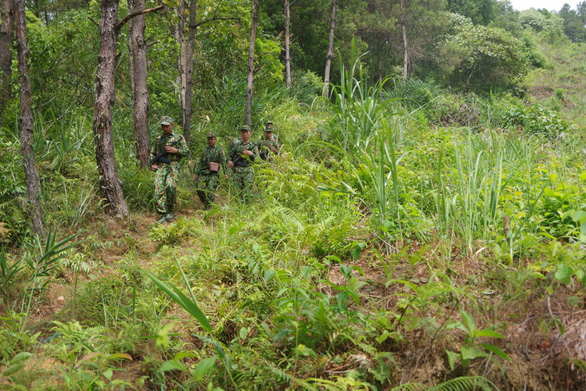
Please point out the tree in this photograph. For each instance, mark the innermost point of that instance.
(110, 184)
(403, 22)
(250, 78)
(330, 53)
(138, 77)
(287, 12)
(31, 175)
(6, 42)
(186, 61)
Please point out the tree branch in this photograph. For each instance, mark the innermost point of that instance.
(92, 19)
(134, 14)
(211, 20)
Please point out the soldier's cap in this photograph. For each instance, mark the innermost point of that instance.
(211, 135)
(245, 128)
(166, 120)
(269, 123)
(269, 126)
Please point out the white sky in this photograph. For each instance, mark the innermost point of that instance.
(550, 5)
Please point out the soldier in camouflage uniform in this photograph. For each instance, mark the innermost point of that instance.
(167, 167)
(269, 145)
(207, 171)
(241, 155)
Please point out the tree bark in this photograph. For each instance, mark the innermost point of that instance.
(6, 42)
(330, 51)
(405, 43)
(110, 184)
(138, 77)
(31, 175)
(287, 45)
(187, 46)
(253, 26)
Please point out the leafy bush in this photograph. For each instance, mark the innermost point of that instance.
(535, 119)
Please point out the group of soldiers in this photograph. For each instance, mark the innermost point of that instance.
(169, 148)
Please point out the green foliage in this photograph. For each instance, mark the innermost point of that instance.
(536, 119)
(483, 58)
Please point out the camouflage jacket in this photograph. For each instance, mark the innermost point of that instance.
(264, 147)
(162, 141)
(235, 153)
(211, 154)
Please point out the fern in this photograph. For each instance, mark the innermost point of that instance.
(467, 383)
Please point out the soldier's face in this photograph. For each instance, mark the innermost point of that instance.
(167, 129)
(211, 141)
(268, 134)
(245, 135)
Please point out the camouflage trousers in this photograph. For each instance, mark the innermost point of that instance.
(166, 186)
(243, 179)
(206, 188)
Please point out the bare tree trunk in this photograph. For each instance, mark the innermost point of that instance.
(110, 184)
(405, 43)
(287, 45)
(330, 51)
(6, 42)
(253, 26)
(138, 77)
(187, 45)
(31, 175)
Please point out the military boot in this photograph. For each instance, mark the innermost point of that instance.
(169, 216)
(162, 219)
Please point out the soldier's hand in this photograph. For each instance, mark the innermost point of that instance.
(230, 164)
(154, 167)
(195, 177)
(171, 149)
(226, 176)
(274, 149)
(247, 152)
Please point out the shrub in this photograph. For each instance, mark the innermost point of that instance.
(535, 119)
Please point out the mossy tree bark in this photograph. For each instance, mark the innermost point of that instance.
(330, 54)
(138, 76)
(31, 175)
(253, 27)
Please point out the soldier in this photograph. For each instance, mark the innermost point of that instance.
(207, 171)
(166, 154)
(268, 145)
(241, 155)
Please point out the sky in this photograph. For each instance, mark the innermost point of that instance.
(550, 5)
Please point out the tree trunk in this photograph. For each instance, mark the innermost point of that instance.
(330, 51)
(6, 42)
(31, 175)
(110, 184)
(138, 77)
(287, 45)
(187, 44)
(253, 26)
(405, 43)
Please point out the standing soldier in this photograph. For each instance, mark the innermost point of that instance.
(269, 145)
(207, 171)
(241, 155)
(166, 153)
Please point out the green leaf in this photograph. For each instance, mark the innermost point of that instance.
(564, 274)
(183, 301)
(20, 357)
(452, 356)
(12, 369)
(471, 352)
(204, 367)
(496, 350)
(489, 333)
(172, 365)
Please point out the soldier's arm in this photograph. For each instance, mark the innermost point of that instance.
(182, 148)
(201, 165)
(223, 162)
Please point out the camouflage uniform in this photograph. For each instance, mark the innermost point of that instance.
(167, 174)
(264, 146)
(243, 172)
(207, 180)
